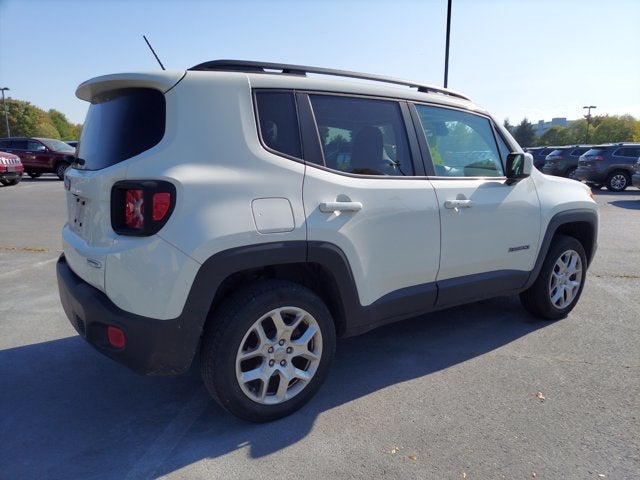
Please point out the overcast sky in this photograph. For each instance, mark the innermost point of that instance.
(518, 58)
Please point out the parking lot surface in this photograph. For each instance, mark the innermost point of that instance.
(483, 391)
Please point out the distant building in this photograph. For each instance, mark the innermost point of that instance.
(543, 126)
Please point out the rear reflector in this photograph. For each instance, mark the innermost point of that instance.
(116, 337)
(161, 205)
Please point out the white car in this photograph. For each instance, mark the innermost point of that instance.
(254, 213)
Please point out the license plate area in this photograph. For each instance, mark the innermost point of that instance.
(77, 211)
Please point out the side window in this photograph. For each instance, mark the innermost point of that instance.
(278, 122)
(461, 144)
(361, 135)
(627, 152)
(35, 146)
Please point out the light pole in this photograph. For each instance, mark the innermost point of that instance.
(6, 116)
(588, 116)
(446, 50)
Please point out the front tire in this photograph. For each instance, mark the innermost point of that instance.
(560, 281)
(267, 350)
(13, 181)
(60, 169)
(617, 181)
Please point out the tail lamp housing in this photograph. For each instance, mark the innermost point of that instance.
(141, 207)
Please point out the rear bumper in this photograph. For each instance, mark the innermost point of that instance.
(590, 175)
(153, 347)
(553, 169)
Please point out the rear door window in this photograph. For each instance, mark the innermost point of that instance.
(363, 136)
(121, 124)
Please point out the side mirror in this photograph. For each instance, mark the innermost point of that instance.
(519, 166)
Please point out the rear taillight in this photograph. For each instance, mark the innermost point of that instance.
(134, 208)
(141, 208)
(597, 158)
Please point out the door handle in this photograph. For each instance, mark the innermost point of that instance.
(457, 204)
(330, 207)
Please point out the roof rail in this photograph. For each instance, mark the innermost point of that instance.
(266, 67)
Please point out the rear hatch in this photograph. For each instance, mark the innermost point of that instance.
(127, 117)
(590, 156)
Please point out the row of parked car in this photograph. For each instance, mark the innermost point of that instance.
(33, 156)
(615, 166)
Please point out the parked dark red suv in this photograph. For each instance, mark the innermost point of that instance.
(40, 155)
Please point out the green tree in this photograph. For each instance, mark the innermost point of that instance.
(46, 129)
(30, 121)
(555, 136)
(66, 130)
(508, 126)
(618, 128)
(525, 134)
(577, 132)
(23, 117)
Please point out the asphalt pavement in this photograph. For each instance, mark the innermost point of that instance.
(483, 391)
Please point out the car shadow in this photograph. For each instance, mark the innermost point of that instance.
(627, 204)
(45, 177)
(79, 410)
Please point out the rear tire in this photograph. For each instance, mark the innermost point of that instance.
(560, 281)
(267, 350)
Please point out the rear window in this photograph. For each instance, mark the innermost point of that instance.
(121, 124)
(278, 121)
(578, 151)
(594, 151)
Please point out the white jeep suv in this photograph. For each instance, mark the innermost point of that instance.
(254, 212)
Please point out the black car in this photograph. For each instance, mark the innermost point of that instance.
(609, 165)
(539, 155)
(563, 161)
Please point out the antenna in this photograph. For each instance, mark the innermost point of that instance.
(154, 52)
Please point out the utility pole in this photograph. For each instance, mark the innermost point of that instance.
(588, 117)
(446, 52)
(6, 115)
